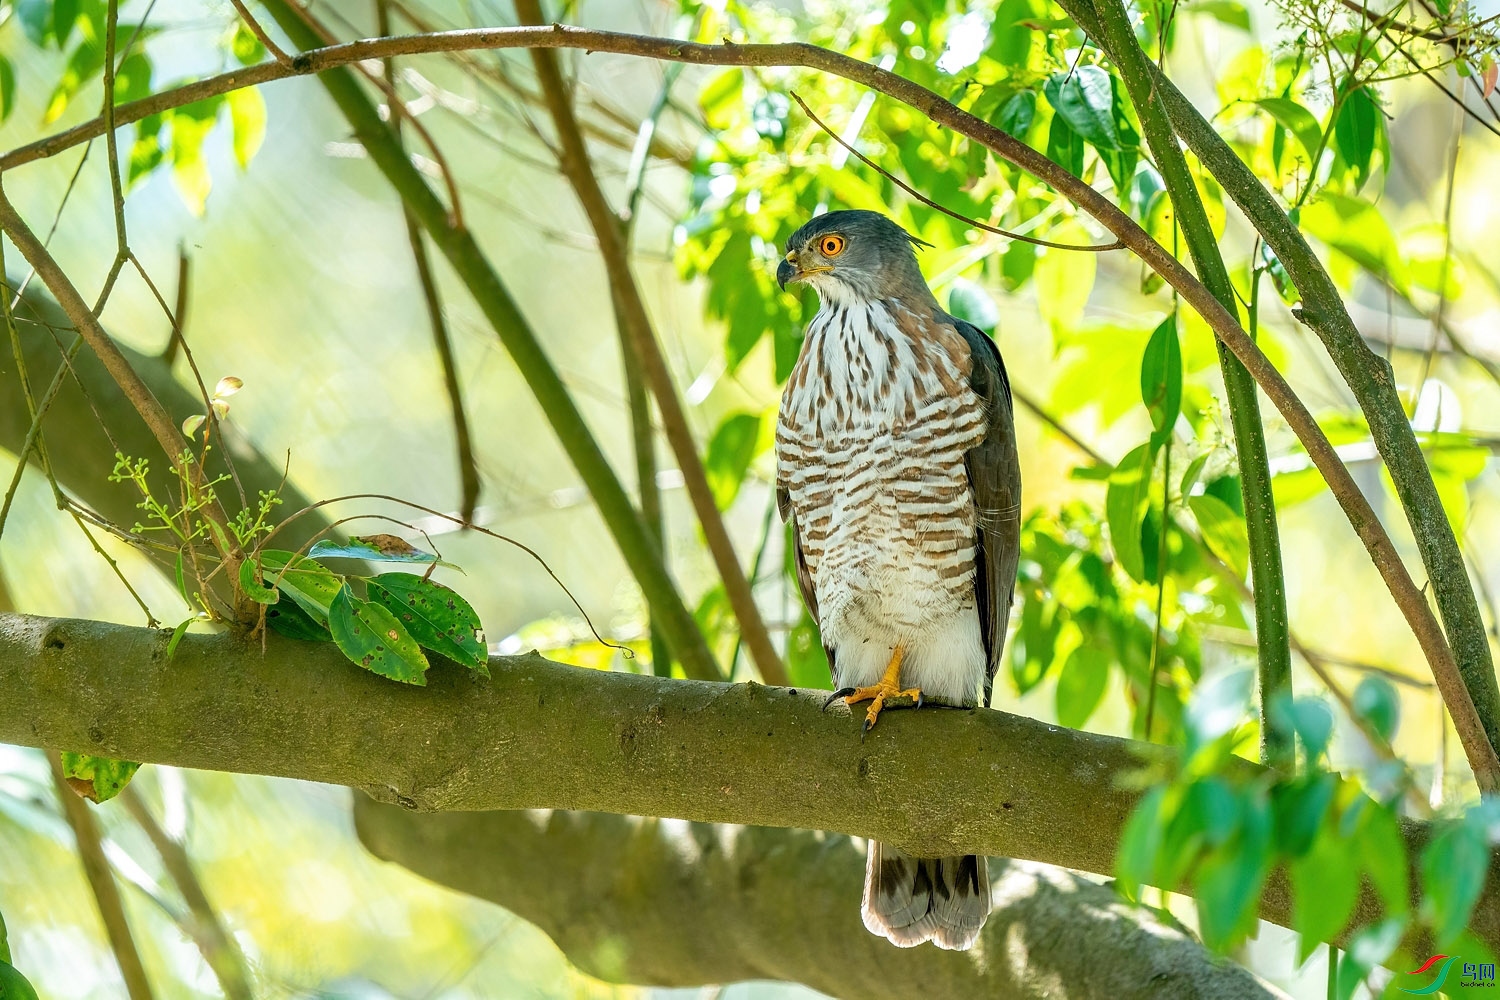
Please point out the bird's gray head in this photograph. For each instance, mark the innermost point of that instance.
(855, 255)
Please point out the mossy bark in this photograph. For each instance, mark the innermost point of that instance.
(542, 735)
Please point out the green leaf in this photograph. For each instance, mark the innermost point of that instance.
(806, 660)
(1218, 705)
(13, 985)
(1300, 806)
(371, 636)
(1229, 881)
(1065, 147)
(1290, 488)
(1297, 120)
(1312, 720)
(1140, 843)
(7, 88)
(1080, 686)
(105, 774)
(1325, 887)
(1454, 462)
(1355, 131)
(36, 20)
(64, 20)
(1370, 948)
(84, 64)
(4, 949)
(1355, 228)
(436, 616)
(182, 586)
(1016, 114)
(1125, 505)
(1161, 379)
(730, 452)
(1084, 98)
(247, 117)
(1230, 12)
(1223, 531)
(190, 126)
(312, 586)
(146, 152)
(133, 78)
(246, 48)
(969, 302)
(177, 634)
(720, 97)
(1453, 872)
(1063, 280)
(356, 548)
(1382, 855)
(1375, 700)
(288, 619)
(253, 588)
(1035, 645)
(1010, 36)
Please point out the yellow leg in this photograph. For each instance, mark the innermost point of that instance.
(889, 687)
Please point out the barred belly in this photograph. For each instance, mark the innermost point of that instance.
(874, 426)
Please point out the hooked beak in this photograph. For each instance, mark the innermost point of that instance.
(786, 271)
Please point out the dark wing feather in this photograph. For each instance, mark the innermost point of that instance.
(804, 577)
(995, 478)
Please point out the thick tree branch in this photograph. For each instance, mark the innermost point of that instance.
(765, 865)
(631, 309)
(1411, 475)
(672, 904)
(544, 735)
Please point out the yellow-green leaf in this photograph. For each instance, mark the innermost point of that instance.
(98, 779)
(1223, 531)
(247, 115)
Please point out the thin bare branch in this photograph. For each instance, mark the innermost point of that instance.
(1116, 245)
(101, 879)
(260, 33)
(218, 948)
(577, 167)
(468, 467)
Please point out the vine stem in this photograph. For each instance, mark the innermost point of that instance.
(608, 230)
(1272, 631)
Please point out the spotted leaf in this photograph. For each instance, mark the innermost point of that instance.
(436, 616)
(371, 636)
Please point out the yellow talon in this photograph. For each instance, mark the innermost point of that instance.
(889, 687)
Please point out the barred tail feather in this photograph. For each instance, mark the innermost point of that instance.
(910, 900)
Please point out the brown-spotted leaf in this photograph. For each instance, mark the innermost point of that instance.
(371, 636)
(436, 616)
(97, 779)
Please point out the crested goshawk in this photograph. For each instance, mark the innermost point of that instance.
(896, 462)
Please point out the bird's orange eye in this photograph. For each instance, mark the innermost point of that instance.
(831, 245)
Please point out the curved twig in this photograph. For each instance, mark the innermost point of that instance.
(1116, 245)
